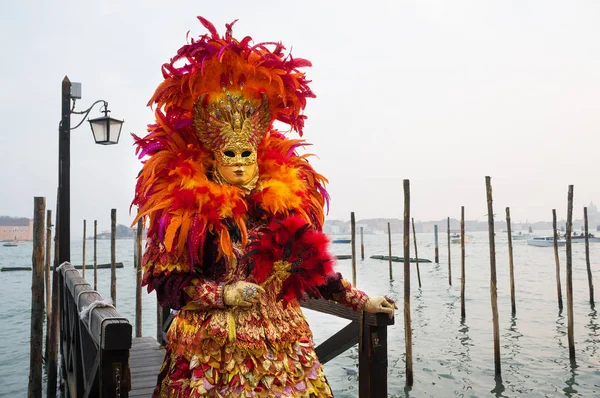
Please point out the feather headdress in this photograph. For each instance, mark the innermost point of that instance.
(174, 190)
(214, 63)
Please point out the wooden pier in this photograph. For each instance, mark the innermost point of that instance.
(100, 358)
(145, 359)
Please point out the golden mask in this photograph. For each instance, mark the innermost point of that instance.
(232, 126)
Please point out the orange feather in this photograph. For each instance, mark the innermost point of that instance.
(171, 231)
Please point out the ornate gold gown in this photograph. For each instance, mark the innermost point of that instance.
(265, 350)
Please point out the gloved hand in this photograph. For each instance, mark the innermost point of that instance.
(381, 304)
(242, 294)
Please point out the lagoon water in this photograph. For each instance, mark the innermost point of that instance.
(451, 357)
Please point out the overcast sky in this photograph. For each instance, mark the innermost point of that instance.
(439, 92)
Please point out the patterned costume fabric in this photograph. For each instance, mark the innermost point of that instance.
(204, 235)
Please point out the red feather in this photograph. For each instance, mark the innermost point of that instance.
(210, 27)
(305, 249)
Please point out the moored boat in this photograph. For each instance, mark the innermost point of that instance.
(455, 238)
(344, 240)
(397, 259)
(520, 236)
(545, 241)
(581, 238)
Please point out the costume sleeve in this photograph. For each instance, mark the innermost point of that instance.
(180, 290)
(341, 291)
(177, 285)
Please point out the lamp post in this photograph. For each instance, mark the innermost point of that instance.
(106, 131)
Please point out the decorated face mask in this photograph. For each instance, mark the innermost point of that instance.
(234, 154)
(232, 126)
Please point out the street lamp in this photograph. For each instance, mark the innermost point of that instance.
(106, 131)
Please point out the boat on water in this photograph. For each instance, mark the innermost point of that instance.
(520, 236)
(455, 238)
(11, 244)
(397, 259)
(344, 240)
(581, 238)
(545, 241)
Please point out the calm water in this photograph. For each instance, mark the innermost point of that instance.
(451, 358)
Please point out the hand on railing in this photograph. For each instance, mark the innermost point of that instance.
(381, 304)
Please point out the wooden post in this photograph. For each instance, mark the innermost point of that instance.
(493, 281)
(569, 231)
(587, 256)
(513, 304)
(83, 260)
(47, 277)
(416, 252)
(362, 245)
(437, 252)
(407, 320)
(463, 312)
(37, 301)
(557, 261)
(135, 253)
(390, 249)
(449, 258)
(373, 357)
(95, 254)
(113, 260)
(52, 358)
(353, 231)
(138, 279)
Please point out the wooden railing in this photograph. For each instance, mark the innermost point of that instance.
(367, 330)
(370, 332)
(95, 349)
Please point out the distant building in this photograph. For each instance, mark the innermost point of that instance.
(16, 228)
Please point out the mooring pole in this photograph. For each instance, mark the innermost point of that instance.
(416, 252)
(437, 251)
(557, 261)
(407, 320)
(362, 245)
(587, 256)
(113, 257)
(462, 263)
(138, 278)
(37, 301)
(390, 249)
(52, 359)
(513, 304)
(569, 232)
(95, 254)
(449, 257)
(83, 260)
(493, 280)
(47, 277)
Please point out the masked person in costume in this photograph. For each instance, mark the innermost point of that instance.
(235, 220)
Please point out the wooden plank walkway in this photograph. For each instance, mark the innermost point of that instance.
(145, 358)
